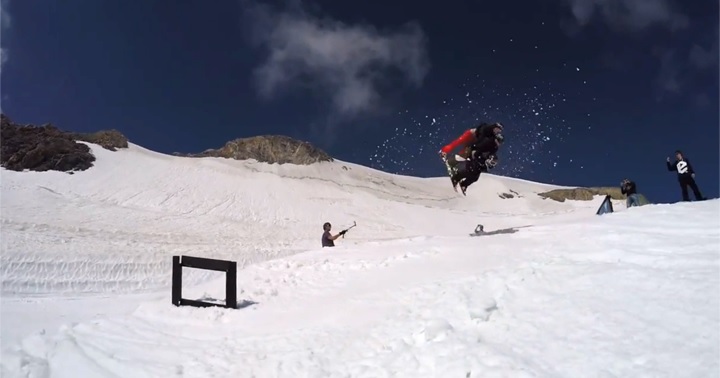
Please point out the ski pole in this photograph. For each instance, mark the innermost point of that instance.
(347, 229)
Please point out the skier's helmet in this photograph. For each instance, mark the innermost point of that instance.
(326, 226)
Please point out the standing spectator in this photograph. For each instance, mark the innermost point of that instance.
(629, 188)
(328, 239)
(686, 176)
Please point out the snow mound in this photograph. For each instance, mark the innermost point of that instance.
(86, 276)
(113, 228)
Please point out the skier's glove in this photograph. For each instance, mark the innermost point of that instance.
(491, 162)
(343, 232)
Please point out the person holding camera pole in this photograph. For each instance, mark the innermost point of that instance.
(629, 189)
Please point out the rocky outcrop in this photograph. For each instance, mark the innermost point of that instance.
(107, 139)
(586, 194)
(44, 148)
(268, 149)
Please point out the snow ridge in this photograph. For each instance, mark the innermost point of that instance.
(86, 276)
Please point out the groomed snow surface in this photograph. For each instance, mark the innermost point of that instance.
(562, 292)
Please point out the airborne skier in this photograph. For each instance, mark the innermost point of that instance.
(479, 151)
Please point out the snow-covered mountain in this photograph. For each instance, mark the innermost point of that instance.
(86, 273)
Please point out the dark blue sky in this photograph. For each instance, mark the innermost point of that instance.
(591, 91)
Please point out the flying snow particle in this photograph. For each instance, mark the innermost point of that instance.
(536, 129)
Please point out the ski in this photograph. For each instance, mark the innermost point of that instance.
(480, 231)
(449, 169)
(451, 173)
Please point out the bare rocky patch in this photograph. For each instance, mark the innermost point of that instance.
(587, 194)
(272, 149)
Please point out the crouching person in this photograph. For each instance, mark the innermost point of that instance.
(328, 239)
(628, 188)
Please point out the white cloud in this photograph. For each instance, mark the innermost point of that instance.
(674, 72)
(701, 58)
(3, 57)
(669, 78)
(4, 53)
(4, 25)
(628, 15)
(683, 71)
(4, 15)
(351, 64)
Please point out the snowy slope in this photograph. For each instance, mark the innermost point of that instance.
(113, 226)
(86, 276)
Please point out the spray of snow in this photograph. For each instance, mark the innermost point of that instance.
(534, 129)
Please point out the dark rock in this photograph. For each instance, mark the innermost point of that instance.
(108, 139)
(268, 149)
(44, 148)
(41, 148)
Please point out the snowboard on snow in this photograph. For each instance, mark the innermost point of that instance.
(479, 231)
(451, 173)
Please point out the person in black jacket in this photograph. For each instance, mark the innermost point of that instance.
(629, 188)
(686, 176)
(480, 145)
(467, 172)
